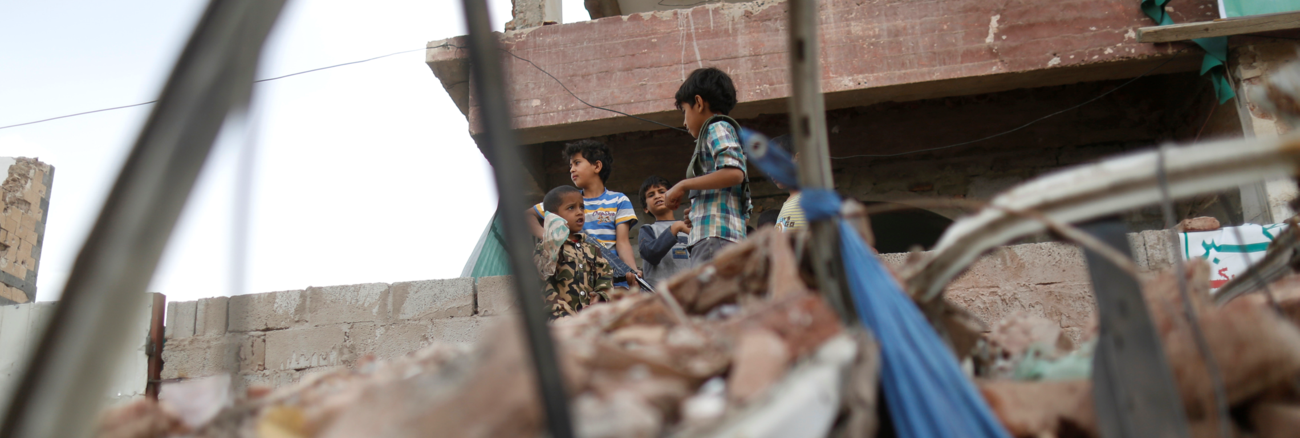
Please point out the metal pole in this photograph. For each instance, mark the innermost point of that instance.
(500, 146)
(64, 382)
(808, 132)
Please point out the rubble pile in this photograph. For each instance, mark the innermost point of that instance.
(672, 363)
(1256, 347)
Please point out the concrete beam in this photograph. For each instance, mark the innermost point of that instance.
(892, 50)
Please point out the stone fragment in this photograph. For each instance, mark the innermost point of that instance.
(180, 319)
(433, 299)
(1034, 409)
(139, 418)
(307, 347)
(351, 303)
(266, 311)
(495, 295)
(1203, 223)
(760, 359)
(210, 316)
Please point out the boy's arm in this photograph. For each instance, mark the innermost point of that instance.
(535, 223)
(654, 248)
(720, 179)
(624, 247)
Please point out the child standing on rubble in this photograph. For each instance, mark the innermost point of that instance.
(716, 180)
(663, 243)
(609, 215)
(574, 273)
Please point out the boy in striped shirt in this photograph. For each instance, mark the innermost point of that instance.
(609, 215)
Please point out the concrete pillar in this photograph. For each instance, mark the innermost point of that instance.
(1267, 201)
(533, 13)
(24, 206)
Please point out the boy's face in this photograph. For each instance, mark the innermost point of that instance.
(573, 211)
(695, 114)
(583, 172)
(654, 201)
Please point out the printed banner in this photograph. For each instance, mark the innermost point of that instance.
(1230, 250)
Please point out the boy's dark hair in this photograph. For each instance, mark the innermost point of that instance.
(712, 85)
(653, 180)
(592, 151)
(554, 197)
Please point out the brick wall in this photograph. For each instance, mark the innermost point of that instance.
(274, 338)
(25, 196)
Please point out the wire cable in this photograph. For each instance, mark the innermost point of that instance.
(1130, 81)
(256, 81)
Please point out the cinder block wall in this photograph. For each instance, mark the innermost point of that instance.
(274, 338)
(24, 207)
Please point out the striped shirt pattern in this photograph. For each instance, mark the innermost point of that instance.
(719, 213)
(791, 216)
(604, 214)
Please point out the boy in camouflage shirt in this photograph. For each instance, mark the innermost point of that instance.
(573, 271)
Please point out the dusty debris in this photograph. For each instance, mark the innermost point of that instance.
(1034, 409)
(633, 368)
(139, 419)
(1275, 420)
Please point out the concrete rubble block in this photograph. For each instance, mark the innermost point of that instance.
(267, 311)
(496, 295)
(1137, 244)
(1042, 408)
(201, 356)
(180, 319)
(1034, 263)
(267, 379)
(210, 316)
(433, 299)
(462, 330)
(393, 340)
(1161, 250)
(307, 347)
(759, 361)
(1203, 223)
(343, 304)
(252, 353)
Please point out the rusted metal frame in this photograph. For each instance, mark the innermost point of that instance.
(156, 344)
(64, 381)
(502, 150)
(808, 133)
(1091, 191)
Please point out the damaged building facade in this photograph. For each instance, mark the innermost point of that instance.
(925, 101)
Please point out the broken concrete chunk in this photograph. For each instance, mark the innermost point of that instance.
(1275, 420)
(1203, 223)
(1034, 409)
(761, 358)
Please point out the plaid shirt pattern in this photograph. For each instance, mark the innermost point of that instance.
(719, 213)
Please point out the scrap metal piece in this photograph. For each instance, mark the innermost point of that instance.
(1134, 390)
(1097, 190)
(64, 381)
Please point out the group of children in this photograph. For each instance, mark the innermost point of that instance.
(584, 255)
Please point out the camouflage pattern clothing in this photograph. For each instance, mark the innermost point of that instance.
(572, 269)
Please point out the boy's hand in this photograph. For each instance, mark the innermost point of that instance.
(681, 227)
(631, 277)
(673, 198)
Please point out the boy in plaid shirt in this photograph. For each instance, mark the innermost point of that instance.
(716, 180)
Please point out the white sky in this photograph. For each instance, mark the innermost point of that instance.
(365, 173)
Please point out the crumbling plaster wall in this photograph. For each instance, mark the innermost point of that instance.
(25, 193)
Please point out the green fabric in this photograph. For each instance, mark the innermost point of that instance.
(1216, 51)
(1242, 8)
(1036, 366)
(492, 260)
